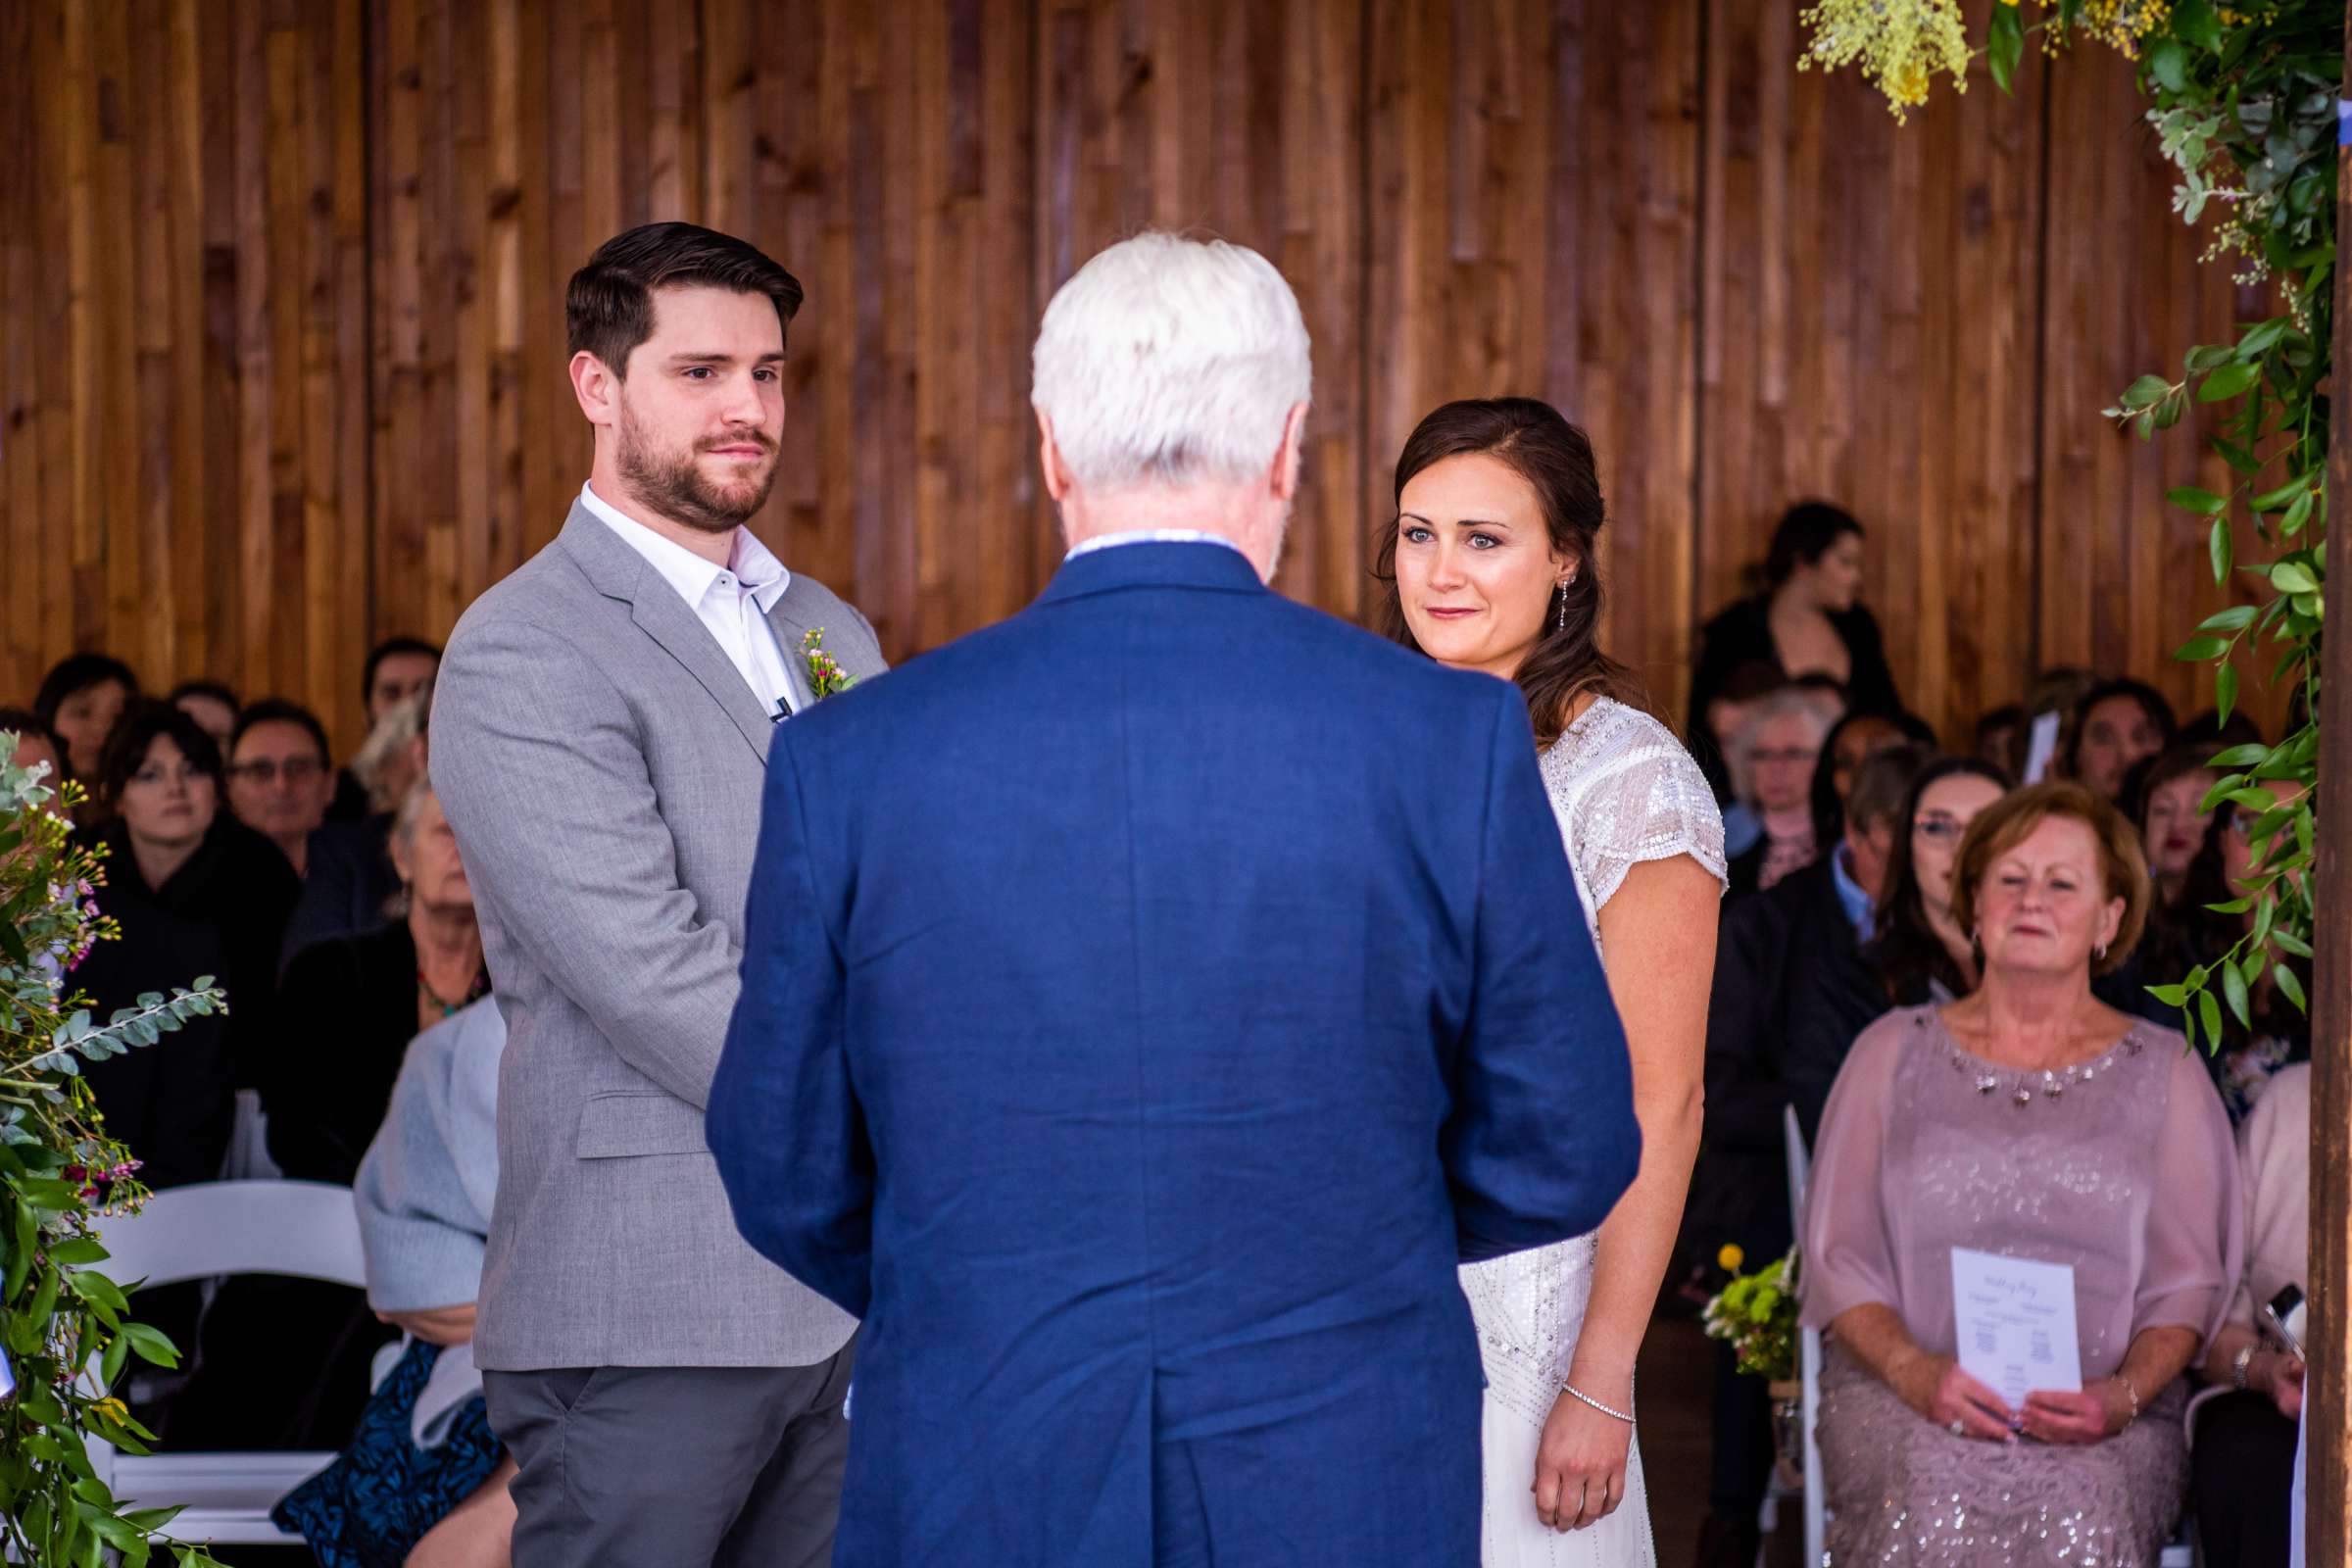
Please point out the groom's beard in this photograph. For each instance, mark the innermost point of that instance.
(671, 483)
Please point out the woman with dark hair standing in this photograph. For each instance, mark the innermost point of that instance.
(1493, 566)
(1809, 619)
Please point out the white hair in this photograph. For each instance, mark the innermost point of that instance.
(1170, 361)
(1789, 701)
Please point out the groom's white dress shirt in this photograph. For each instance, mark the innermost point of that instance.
(732, 600)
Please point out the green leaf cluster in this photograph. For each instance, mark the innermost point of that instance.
(65, 1325)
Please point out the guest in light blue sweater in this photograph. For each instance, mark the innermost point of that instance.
(424, 1483)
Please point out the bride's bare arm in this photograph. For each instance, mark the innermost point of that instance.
(1657, 944)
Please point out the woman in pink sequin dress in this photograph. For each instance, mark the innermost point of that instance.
(2030, 1120)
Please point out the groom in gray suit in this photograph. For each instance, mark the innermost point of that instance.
(599, 739)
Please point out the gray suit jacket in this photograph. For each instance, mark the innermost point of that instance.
(602, 761)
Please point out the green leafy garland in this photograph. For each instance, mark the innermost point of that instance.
(2243, 101)
(65, 1328)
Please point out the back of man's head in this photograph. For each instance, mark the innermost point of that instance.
(1169, 363)
(1874, 811)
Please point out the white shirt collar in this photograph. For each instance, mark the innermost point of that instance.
(1151, 536)
(748, 561)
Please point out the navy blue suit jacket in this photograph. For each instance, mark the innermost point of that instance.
(1144, 1003)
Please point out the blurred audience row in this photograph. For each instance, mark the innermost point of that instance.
(1871, 975)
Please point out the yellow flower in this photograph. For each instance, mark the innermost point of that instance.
(1901, 44)
(1731, 1257)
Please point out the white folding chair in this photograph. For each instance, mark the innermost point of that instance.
(306, 1230)
(1808, 1352)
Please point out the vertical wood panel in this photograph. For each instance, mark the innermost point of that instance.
(1234, 119)
(185, 400)
(281, 340)
(882, 154)
(1870, 339)
(1534, 170)
(2125, 577)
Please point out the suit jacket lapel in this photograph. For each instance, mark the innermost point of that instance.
(619, 573)
(790, 626)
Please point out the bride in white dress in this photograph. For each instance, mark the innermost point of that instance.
(1499, 504)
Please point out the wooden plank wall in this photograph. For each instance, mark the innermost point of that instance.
(281, 300)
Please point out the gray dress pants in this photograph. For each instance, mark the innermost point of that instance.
(675, 1467)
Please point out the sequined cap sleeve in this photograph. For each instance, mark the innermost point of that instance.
(1626, 792)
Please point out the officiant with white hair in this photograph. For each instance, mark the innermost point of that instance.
(1148, 1000)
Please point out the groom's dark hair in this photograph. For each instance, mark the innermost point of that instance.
(608, 309)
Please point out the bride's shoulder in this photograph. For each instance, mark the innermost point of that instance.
(1610, 737)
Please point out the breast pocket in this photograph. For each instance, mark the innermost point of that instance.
(617, 1126)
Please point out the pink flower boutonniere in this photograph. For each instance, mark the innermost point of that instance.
(825, 674)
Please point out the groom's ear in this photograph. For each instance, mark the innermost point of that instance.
(1048, 458)
(597, 387)
(1284, 480)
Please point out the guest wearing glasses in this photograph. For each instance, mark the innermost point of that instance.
(1772, 759)
(278, 779)
(1920, 951)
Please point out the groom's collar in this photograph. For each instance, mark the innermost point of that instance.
(1153, 564)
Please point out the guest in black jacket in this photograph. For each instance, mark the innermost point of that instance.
(287, 1360)
(170, 848)
(1809, 619)
(1786, 957)
(327, 1089)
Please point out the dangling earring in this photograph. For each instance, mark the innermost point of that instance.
(1564, 605)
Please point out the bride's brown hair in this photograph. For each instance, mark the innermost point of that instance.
(1555, 459)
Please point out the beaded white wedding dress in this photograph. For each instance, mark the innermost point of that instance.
(1624, 791)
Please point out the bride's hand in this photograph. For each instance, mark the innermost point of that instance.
(1580, 1465)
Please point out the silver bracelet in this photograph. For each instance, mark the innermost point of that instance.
(1574, 1393)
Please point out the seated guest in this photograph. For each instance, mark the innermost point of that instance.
(327, 1090)
(1853, 738)
(424, 1484)
(2187, 931)
(1725, 717)
(398, 668)
(1789, 967)
(1920, 951)
(213, 706)
(2116, 724)
(1809, 619)
(1772, 762)
(2168, 792)
(1999, 742)
(78, 701)
(35, 746)
(393, 756)
(278, 776)
(348, 1008)
(168, 845)
(2243, 1458)
(2030, 1121)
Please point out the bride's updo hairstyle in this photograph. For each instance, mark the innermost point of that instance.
(1555, 459)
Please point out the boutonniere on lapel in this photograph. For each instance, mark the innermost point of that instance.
(825, 674)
